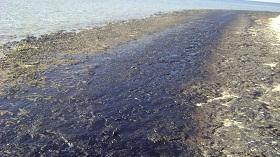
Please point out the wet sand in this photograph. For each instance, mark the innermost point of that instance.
(194, 83)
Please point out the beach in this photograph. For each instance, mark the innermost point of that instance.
(243, 120)
(275, 25)
(189, 83)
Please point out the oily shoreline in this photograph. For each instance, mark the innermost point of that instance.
(236, 102)
(126, 102)
(31, 56)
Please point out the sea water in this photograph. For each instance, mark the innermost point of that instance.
(21, 18)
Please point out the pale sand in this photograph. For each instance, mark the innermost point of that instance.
(224, 95)
(276, 88)
(271, 65)
(1, 54)
(275, 25)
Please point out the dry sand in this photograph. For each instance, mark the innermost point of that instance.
(275, 25)
(243, 120)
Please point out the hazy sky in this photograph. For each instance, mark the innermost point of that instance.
(275, 1)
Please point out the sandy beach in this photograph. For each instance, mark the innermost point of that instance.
(192, 83)
(275, 25)
(243, 120)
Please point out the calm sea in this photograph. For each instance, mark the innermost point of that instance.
(20, 18)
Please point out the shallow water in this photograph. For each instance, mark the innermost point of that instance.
(20, 18)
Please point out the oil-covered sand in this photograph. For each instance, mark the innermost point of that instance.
(194, 83)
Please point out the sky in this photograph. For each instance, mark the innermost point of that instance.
(274, 1)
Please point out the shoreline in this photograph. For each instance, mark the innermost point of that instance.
(33, 55)
(125, 102)
(100, 25)
(235, 95)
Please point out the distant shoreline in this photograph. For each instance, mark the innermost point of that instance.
(95, 26)
(18, 38)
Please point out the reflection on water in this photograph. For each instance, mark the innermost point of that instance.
(20, 18)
